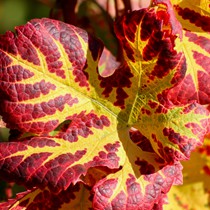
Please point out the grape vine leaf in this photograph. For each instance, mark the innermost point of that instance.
(196, 176)
(195, 18)
(79, 197)
(74, 119)
(75, 197)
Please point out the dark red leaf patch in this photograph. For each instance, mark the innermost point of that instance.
(194, 17)
(119, 80)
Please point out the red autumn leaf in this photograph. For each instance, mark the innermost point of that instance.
(75, 197)
(109, 194)
(72, 119)
(196, 46)
(196, 176)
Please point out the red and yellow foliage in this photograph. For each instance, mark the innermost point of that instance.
(89, 132)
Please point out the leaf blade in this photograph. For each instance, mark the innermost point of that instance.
(194, 19)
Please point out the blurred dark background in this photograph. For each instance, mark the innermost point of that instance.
(18, 12)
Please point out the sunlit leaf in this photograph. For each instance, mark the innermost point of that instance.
(194, 17)
(60, 160)
(157, 67)
(71, 119)
(126, 189)
(196, 186)
(75, 197)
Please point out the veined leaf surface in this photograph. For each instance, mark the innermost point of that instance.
(76, 197)
(194, 17)
(157, 68)
(74, 119)
(196, 176)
